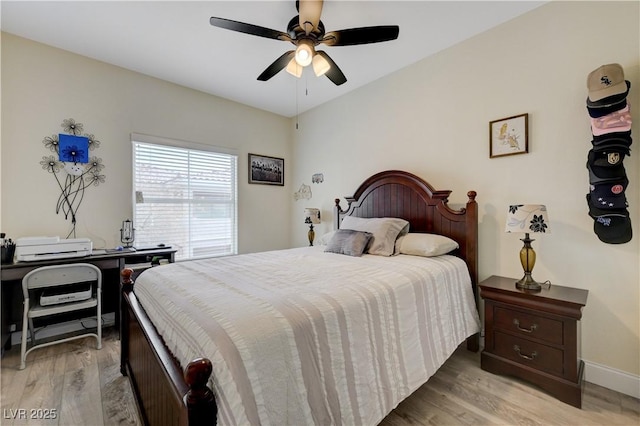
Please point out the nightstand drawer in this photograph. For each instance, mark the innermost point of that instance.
(528, 325)
(523, 351)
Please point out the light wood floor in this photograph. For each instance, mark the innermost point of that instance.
(84, 387)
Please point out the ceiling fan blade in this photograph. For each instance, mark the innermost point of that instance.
(334, 74)
(309, 12)
(256, 30)
(364, 35)
(277, 66)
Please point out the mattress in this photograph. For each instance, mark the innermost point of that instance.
(302, 337)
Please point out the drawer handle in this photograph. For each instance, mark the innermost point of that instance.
(521, 355)
(526, 330)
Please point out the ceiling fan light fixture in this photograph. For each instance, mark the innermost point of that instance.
(320, 65)
(294, 69)
(304, 53)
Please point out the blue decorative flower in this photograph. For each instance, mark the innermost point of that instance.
(72, 153)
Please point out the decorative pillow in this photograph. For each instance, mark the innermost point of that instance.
(324, 240)
(425, 244)
(385, 231)
(349, 242)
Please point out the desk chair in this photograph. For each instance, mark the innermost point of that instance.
(47, 277)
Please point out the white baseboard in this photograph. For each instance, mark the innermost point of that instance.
(611, 378)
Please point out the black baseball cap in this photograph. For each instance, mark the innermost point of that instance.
(611, 226)
(597, 112)
(605, 166)
(613, 138)
(610, 194)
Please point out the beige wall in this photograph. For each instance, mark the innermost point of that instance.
(41, 86)
(432, 119)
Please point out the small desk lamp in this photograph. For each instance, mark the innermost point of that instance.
(311, 216)
(127, 233)
(526, 218)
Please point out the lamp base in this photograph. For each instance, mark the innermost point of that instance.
(311, 235)
(528, 283)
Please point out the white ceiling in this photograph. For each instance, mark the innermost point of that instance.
(173, 40)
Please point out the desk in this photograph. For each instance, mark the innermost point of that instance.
(110, 263)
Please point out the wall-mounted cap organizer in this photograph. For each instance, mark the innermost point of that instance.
(610, 118)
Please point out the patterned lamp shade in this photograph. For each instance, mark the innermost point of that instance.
(528, 218)
(312, 215)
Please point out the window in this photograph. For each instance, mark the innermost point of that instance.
(185, 197)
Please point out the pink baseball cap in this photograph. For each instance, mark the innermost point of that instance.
(618, 121)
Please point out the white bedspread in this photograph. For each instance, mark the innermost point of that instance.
(300, 336)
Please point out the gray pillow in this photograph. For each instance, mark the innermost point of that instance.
(349, 242)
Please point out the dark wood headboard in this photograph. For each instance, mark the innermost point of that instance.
(396, 193)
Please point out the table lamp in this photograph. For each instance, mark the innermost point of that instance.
(311, 216)
(528, 218)
(127, 233)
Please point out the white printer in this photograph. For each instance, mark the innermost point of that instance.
(29, 249)
(65, 294)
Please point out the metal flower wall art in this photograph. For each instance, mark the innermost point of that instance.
(72, 166)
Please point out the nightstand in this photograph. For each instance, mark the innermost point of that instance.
(534, 335)
(143, 259)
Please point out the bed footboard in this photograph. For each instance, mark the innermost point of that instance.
(164, 394)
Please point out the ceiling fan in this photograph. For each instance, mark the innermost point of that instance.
(306, 31)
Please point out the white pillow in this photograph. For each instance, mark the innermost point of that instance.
(425, 244)
(385, 231)
(324, 240)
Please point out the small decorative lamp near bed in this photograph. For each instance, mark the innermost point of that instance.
(311, 216)
(127, 233)
(527, 218)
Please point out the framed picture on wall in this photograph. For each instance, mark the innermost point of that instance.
(266, 170)
(509, 136)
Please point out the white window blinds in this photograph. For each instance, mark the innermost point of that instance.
(185, 198)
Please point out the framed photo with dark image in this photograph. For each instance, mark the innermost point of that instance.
(266, 170)
(509, 136)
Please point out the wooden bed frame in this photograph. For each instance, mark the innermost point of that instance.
(168, 395)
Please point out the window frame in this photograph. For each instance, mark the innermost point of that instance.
(189, 146)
